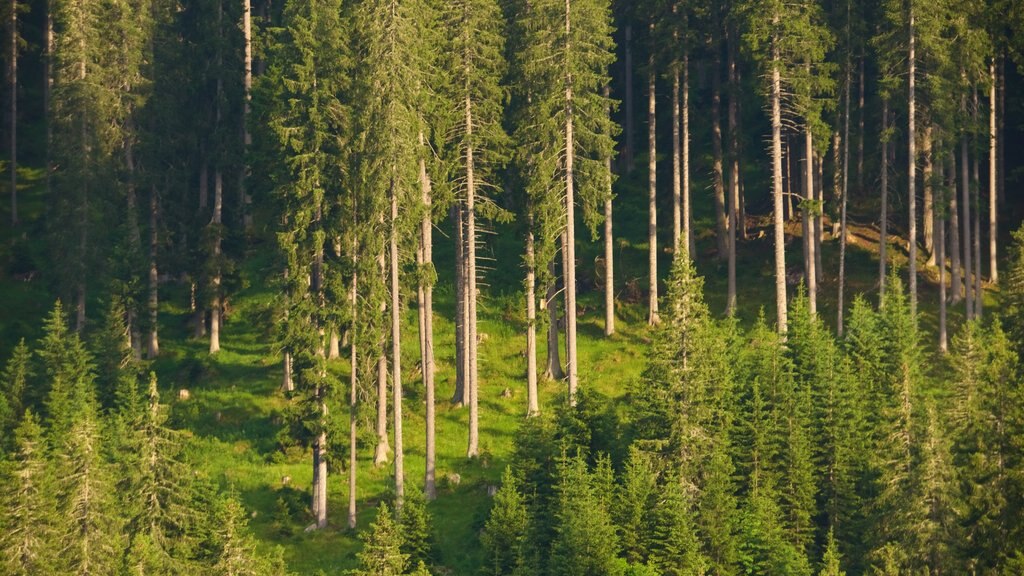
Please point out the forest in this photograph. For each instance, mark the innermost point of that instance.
(298, 287)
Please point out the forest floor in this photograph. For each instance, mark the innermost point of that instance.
(234, 410)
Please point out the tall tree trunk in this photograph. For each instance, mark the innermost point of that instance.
(627, 149)
(860, 125)
(1000, 129)
(788, 188)
(353, 396)
(473, 449)
(780, 237)
(135, 241)
(912, 166)
(215, 298)
(677, 182)
(955, 275)
(609, 249)
(734, 170)
(380, 452)
(396, 351)
(461, 396)
(287, 384)
(940, 248)
(718, 176)
(154, 302)
(532, 402)
(687, 206)
(427, 243)
(819, 216)
(13, 87)
(845, 194)
(569, 250)
(976, 236)
(553, 370)
(652, 198)
(48, 95)
(927, 216)
(965, 205)
(244, 199)
(810, 209)
(993, 196)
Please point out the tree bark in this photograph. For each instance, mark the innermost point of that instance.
(810, 210)
(687, 206)
(993, 195)
(154, 301)
(627, 149)
(473, 449)
(912, 166)
(860, 125)
(842, 207)
(976, 237)
(532, 402)
(13, 87)
(396, 351)
(287, 384)
(609, 250)
(927, 216)
(652, 197)
(244, 200)
(780, 238)
(956, 273)
(553, 371)
(427, 359)
(965, 188)
(677, 182)
(461, 396)
(353, 397)
(940, 248)
(788, 188)
(215, 298)
(569, 250)
(333, 344)
(734, 171)
(380, 452)
(718, 177)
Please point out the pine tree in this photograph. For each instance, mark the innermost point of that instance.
(505, 536)
(585, 541)
(563, 133)
(381, 554)
(28, 514)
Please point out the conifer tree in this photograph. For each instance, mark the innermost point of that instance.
(633, 508)
(585, 541)
(830, 562)
(13, 398)
(311, 125)
(675, 547)
(564, 130)
(236, 553)
(381, 554)
(415, 525)
(28, 514)
(505, 536)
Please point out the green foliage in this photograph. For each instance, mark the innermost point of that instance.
(634, 507)
(382, 554)
(585, 542)
(14, 380)
(415, 525)
(505, 537)
(236, 553)
(830, 561)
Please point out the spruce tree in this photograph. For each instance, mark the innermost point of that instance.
(415, 525)
(381, 554)
(13, 397)
(505, 536)
(675, 547)
(634, 505)
(585, 540)
(28, 506)
(236, 553)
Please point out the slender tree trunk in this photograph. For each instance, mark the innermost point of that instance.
(244, 199)
(473, 449)
(396, 351)
(845, 195)
(135, 241)
(48, 95)
(677, 197)
(687, 206)
(154, 301)
(811, 218)
(780, 237)
(912, 166)
(976, 237)
(569, 250)
(353, 396)
(965, 188)
(215, 301)
(1000, 129)
(13, 86)
(333, 344)
(788, 182)
(553, 371)
(718, 176)
(380, 452)
(734, 172)
(993, 272)
(819, 216)
(627, 149)
(927, 224)
(532, 402)
(427, 243)
(609, 247)
(956, 276)
(461, 396)
(287, 384)
(652, 198)
(860, 125)
(940, 248)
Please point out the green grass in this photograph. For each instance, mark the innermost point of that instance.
(235, 410)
